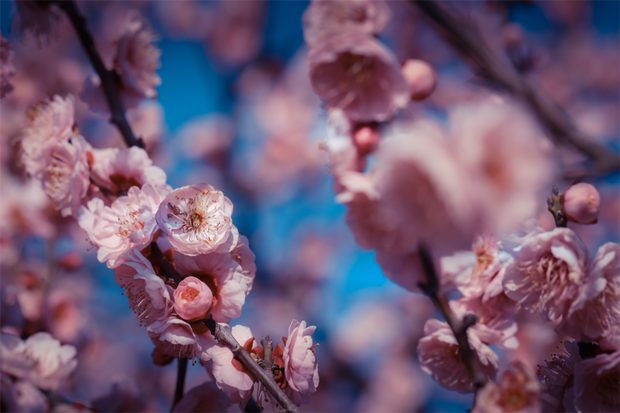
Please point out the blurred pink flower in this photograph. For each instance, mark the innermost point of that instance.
(148, 295)
(128, 223)
(503, 150)
(354, 72)
(22, 396)
(420, 77)
(124, 397)
(597, 384)
(339, 144)
(581, 203)
(119, 169)
(7, 69)
(230, 375)
(228, 276)
(518, 391)
(439, 356)
(548, 272)
(197, 220)
(66, 176)
(300, 365)
(192, 299)
(206, 398)
(327, 17)
(40, 359)
(557, 379)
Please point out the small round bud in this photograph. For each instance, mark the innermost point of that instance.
(581, 203)
(420, 77)
(365, 139)
(192, 299)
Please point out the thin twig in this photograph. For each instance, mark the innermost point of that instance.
(179, 389)
(459, 327)
(109, 78)
(267, 358)
(224, 336)
(464, 37)
(554, 204)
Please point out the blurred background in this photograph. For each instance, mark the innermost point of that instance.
(236, 110)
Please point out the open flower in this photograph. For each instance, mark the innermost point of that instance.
(192, 299)
(197, 220)
(128, 223)
(300, 366)
(597, 384)
(177, 338)
(518, 391)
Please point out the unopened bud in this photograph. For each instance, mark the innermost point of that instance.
(581, 203)
(420, 77)
(365, 139)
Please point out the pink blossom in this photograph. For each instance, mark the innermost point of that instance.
(502, 149)
(125, 396)
(192, 299)
(557, 379)
(439, 356)
(229, 277)
(420, 77)
(128, 223)
(40, 359)
(120, 169)
(597, 384)
(137, 58)
(37, 18)
(7, 69)
(149, 297)
(22, 396)
(177, 338)
(404, 269)
(66, 177)
(518, 391)
(300, 365)
(50, 122)
(599, 319)
(230, 375)
(354, 72)
(206, 398)
(340, 146)
(197, 220)
(548, 272)
(581, 203)
(327, 17)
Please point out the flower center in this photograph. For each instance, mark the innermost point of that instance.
(195, 220)
(129, 223)
(513, 399)
(189, 294)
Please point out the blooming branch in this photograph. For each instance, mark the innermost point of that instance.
(465, 38)
(459, 327)
(109, 78)
(225, 337)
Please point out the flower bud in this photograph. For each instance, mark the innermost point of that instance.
(192, 299)
(420, 77)
(365, 139)
(581, 203)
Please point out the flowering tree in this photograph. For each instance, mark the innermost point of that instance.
(450, 181)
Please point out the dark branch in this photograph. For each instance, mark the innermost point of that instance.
(465, 39)
(459, 327)
(166, 266)
(267, 358)
(109, 78)
(225, 337)
(179, 389)
(554, 204)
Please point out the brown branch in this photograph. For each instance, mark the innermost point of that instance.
(224, 336)
(459, 327)
(180, 386)
(267, 358)
(466, 40)
(167, 268)
(554, 204)
(109, 78)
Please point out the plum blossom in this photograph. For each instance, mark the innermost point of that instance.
(420, 77)
(326, 17)
(149, 297)
(548, 273)
(230, 375)
(300, 365)
(197, 220)
(177, 338)
(41, 359)
(119, 169)
(438, 353)
(599, 319)
(581, 203)
(206, 398)
(50, 122)
(7, 69)
(353, 72)
(22, 396)
(557, 379)
(128, 223)
(597, 383)
(192, 299)
(518, 391)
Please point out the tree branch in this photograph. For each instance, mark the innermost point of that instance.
(225, 337)
(554, 204)
(267, 358)
(109, 78)
(459, 327)
(178, 391)
(465, 39)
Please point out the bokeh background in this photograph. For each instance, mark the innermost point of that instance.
(236, 110)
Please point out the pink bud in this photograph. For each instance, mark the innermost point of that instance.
(580, 203)
(420, 77)
(365, 139)
(192, 299)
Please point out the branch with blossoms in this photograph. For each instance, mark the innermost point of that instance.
(466, 39)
